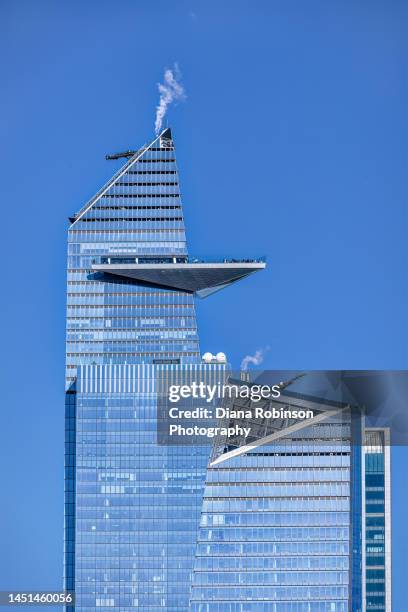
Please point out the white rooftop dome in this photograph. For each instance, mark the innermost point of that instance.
(207, 357)
(221, 358)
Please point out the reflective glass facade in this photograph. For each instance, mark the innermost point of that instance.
(377, 521)
(138, 503)
(275, 529)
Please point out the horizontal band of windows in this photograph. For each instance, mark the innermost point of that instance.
(269, 565)
(122, 338)
(275, 497)
(169, 148)
(145, 343)
(166, 326)
(149, 312)
(130, 306)
(92, 283)
(128, 439)
(229, 599)
(161, 354)
(280, 542)
(106, 558)
(82, 274)
(135, 207)
(162, 149)
(79, 311)
(93, 328)
(278, 468)
(263, 483)
(269, 525)
(151, 172)
(191, 331)
(129, 322)
(168, 354)
(152, 319)
(259, 483)
(256, 577)
(301, 454)
(116, 219)
(146, 184)
(253, 584)
(140, 195)
(291, 556)
(84, 232)
(157, 160)
(102, 249)
(156, 293)
(302, 571)
(132, 319)
(128, 294)
(340, 493)
(129, 349)
(112, 303)
(150, 339)
(379, 515)
(140, 330)
(157, 299)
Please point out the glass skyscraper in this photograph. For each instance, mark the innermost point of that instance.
(113, 321)
(279, 528)
(132, 507)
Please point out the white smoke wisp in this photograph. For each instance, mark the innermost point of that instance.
(171, 90)
(255, 359)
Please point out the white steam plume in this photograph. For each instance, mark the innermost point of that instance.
(255, 359)
(170, 91)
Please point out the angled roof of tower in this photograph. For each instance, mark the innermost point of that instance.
(165, 134)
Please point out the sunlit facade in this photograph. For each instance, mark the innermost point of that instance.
(138, 503)
(281, 523)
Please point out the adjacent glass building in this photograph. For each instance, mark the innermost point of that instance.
(280, 528)
(377, 531)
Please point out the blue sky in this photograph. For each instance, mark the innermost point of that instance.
(291, 144)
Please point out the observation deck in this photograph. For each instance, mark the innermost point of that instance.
(192, 275)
